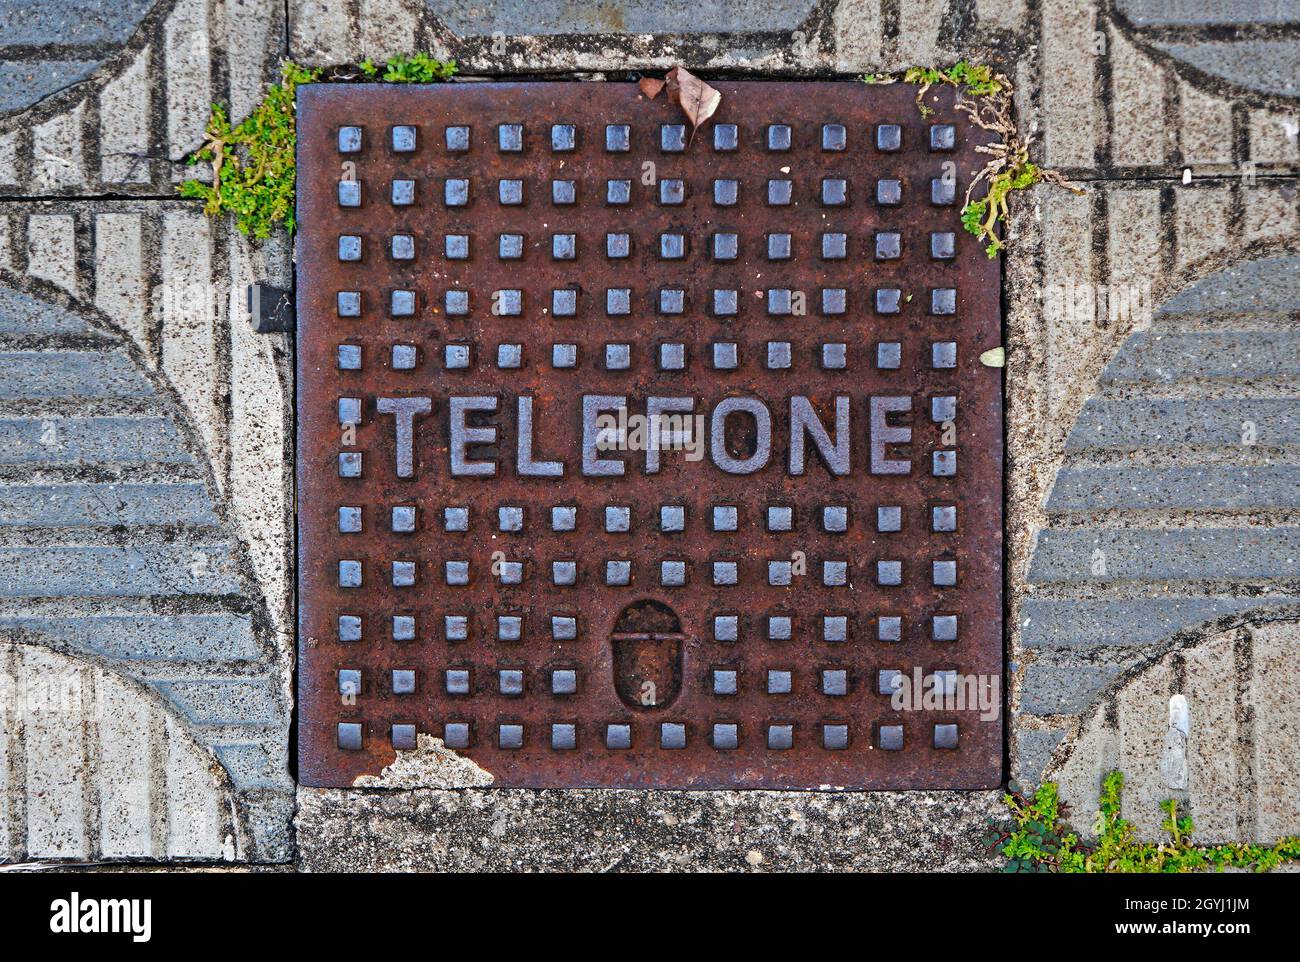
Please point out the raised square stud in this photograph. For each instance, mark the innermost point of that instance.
(403, 139)
(725, 357)
(349, 520)
(725, 573)
(510, 192)
(456, 356)
(618, 191)
(672, 574)
(455, 519)
(564, 518)
(834, 137)
(726, 303)
(618, 246)
(402, 304)
(889, 573)
(564, 137)
(403, 628)
(943, 355)
(889, 300)
(725, 518)
(349, 193)
(778, 355)
(510, 518)
(943, 245)
(618, 518)
(943, 464)
(943, 137)
(835, 191)
(779, 681)
(726, 192)
(350, 574)
(456, 734)
(725, 137)
(349, 140)
(349, 736)
(510, 247)
(726, 246)
(780, 737)
(564, 681)
(510, 736)
(618, 573)
(835, 682)
(564, 573)
(564, 628)
(889, 245)
(564, 192)
(725, 736)
(835, 356)
(349, 247)
(943, 408)
(672, 357)
(779, 192)
(835, 574)
(944, 574)
(889, 193)
(780, 518)
(945, 737)
(779, 628)
(943, 191)
(835, 519)
(835, 737)
(349, 682)
(672, 191)
(403, 356)
(672, 735)
(510, 681)
(618, 138)
(943, 628)
(889, 137)
(455, 192)
(618, 357)
(618, 737)
(834, 246)
(564, 247)
(672, 517)
(835, 628)
(402, 193)
(890, 738)
(349, 357)
(564, 736)
(348, 303)
(672, 301)
(778, 247)
(457, 139)
(724, 681)
(403, 681)
(943, 301)
(403, 519)
(403, 574)
(943, 518)
(672, 138)
(778, 137)
(564, 355)
(726, 628)
(403, 737)
(889, 518)
(510, 138)
(779, 573)
(889, 628)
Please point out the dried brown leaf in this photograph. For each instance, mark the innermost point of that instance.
(650, 86)
(697, 99)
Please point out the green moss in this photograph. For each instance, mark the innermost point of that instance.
(254, 162)
(1036, 840)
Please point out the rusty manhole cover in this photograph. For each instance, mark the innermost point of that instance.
(504, 290)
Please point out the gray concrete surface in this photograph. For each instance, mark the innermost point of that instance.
(1152, 452)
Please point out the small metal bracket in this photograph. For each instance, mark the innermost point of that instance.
(271, 309)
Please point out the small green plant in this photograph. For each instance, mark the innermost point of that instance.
(1036, 840)
(418, 68)
(986, 97)
(254, 165)
(974, 80)
(253, 162)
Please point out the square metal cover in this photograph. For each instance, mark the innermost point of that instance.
(503, 290)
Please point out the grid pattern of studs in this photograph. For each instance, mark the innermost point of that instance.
(513, 243)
